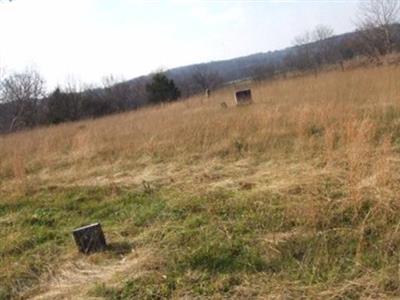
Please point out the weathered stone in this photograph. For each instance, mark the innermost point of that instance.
(243, 97)
(90, 238)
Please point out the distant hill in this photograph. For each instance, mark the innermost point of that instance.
(342, 47)
(245, 66)
(91, 103)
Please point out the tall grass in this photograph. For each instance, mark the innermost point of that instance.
(297, 192)
(338, 117)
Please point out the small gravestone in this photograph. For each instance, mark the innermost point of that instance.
(90, 238)
(243, 97)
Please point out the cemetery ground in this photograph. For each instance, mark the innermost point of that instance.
(294, 196)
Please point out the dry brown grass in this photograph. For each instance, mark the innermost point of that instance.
(327, 145)
(347, 120)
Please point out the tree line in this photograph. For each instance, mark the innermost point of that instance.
(24, 102)
(377, 34)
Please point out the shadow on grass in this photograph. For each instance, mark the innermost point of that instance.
(119, 248)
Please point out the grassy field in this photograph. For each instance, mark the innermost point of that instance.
(295, 196)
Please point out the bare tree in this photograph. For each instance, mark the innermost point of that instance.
(204, 78)
(138, 92)
(312, 48)
(111, 80)
(374, 21)
(117, 91)
(22, 91)
(322, 32)
(303, 56)
(321, 36)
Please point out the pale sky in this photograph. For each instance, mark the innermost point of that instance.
(89, 39)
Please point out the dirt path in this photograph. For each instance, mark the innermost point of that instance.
(75, 280)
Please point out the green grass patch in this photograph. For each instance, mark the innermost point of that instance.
(207, 244)
(36, 229)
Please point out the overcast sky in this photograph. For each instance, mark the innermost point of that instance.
(89, 39)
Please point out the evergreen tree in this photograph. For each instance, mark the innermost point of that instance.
(161, 89)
